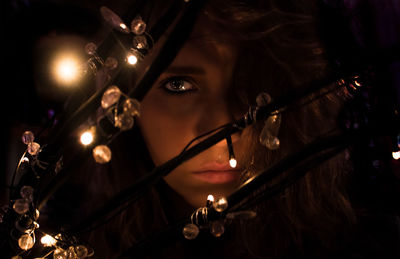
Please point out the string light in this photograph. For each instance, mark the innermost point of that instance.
(48, 240)
(396, 155)
(66, 68)
(232, 159)
(87, 137)
(131, 59)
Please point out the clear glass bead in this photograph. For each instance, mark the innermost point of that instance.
(268, 135)
(28, 137)
(21, 206)
(124, 121)
(132, 107)
(190, 231)
(33, 148)
(27, 193)
(140, 42)
(81, 252)
(263, 99)
(102, 154)
(26, 242)
(273, 123)
(59, 254)
(110, 96)
(217, 228)
(138, 26)
(71, 253)
(90, 48)
(111, 63)
(268, 140)
(220, 204)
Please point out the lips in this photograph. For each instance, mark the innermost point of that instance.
(216, 173)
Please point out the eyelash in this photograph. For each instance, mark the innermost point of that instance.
(169, 80)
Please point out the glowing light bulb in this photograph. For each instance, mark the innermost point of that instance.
(232, 162)
(48, 240)
(123, 26)
(87, 137)
(66, 68)
(131, 59)
(396, 155)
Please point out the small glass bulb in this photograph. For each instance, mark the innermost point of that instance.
(233, 162)
(210, 198)
(396, 155)
(111, 63)
(26, 242)
(90, 48)
(81, 251)
(60, 253)
(21, 206)
(28, 137)
(33, 148)
(138, 26)
(110, 96)
(48, 240)
(131, 59)
(27, 193)
(190, 231)
(102, 154)
(220, 204)
(124, 121)
(87, 138)
(217, 228)
(132, 106)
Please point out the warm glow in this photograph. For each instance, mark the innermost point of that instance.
(123, 26)
(232, 162)
(66, 69)
(396, 155)
(87, 138)
(210, 198)
(131, 59)
(48, 240)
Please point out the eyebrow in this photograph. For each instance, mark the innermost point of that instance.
(185, 70)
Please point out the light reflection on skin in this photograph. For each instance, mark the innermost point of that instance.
(187, 100)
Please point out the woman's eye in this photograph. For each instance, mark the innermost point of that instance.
(178, 85)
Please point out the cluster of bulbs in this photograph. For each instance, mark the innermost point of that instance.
(213, 218)
(200, 219)
(124, 119)
(27, 215)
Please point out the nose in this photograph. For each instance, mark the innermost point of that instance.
(215, 113)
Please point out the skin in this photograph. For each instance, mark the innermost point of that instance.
(187, 100)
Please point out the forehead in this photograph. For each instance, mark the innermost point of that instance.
(210, 43)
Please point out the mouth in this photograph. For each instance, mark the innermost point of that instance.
(215, 173)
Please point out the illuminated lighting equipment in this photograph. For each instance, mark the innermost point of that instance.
(232, 159)
(396, 155)
(66, 68)
(131, 59)
(87, 137)
(48, 240)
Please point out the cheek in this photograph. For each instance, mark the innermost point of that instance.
(166, 127)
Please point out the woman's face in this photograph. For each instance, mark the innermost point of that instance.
(187, 100)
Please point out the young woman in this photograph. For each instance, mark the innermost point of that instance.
(237, 50)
